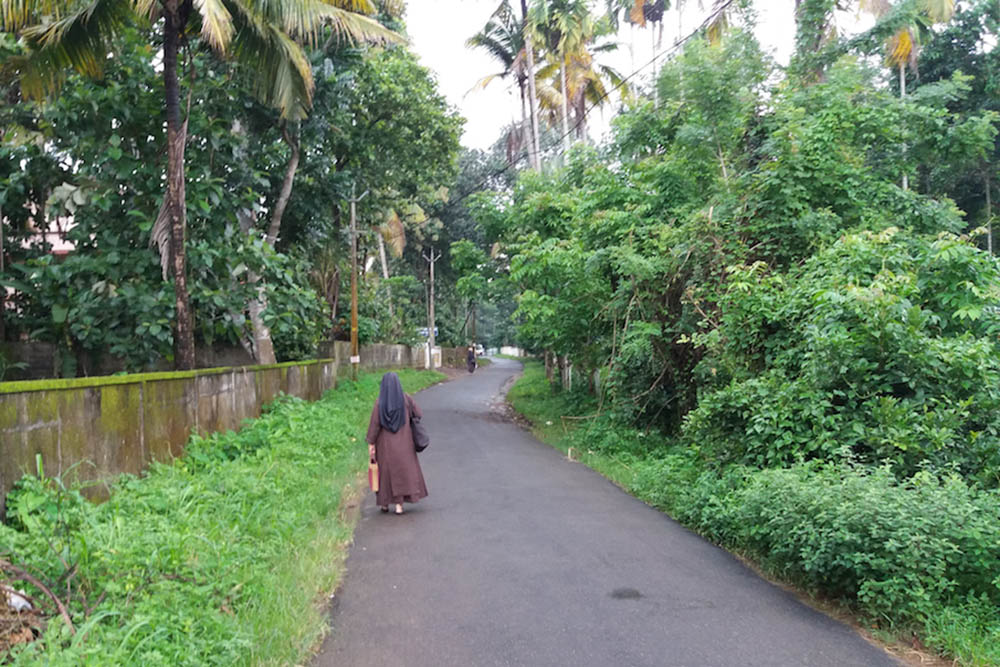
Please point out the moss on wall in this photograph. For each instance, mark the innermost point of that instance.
(108, 425)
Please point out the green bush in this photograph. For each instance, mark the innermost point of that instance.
(901, 551)
(879, 349)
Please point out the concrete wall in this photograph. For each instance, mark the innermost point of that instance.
(377, 356)
(103, 426)
(100, 427)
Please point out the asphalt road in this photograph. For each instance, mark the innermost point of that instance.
(521, 557)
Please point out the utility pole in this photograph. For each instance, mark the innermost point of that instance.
(355, 353)
(430, 313)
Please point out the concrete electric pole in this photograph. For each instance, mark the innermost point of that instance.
(430, 311)
(355, 353)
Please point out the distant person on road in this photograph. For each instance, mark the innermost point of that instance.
(470, 358)
(390, 444)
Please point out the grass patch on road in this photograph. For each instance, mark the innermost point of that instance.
(223, 557)
(917, 557)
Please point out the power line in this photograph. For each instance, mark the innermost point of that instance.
(716, 12)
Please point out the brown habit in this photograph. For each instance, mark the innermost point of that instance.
(399, 476)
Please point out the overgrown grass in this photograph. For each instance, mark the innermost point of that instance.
(222, 557)
(919, 555)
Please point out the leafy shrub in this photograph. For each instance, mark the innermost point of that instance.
(900, 549)
(880, 349)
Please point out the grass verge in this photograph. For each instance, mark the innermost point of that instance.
(223, 557)
(909, 558)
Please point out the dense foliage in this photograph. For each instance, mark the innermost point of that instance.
(86, 167)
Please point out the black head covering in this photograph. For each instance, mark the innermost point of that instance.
(391, 403)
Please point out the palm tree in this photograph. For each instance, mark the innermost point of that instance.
(640, 13)
(64, 34)
(588, 83)
(564, 26)
(904, 46)
(503, 38)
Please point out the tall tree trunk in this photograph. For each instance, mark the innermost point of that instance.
(565, 103)
(175, 196)
(532, 94)
(263, 346)
(525, 120)
(385, 274)
(286, 187)
(987, 185)
(902, 95)
(3, 291)
(334, 298)
(656, 91)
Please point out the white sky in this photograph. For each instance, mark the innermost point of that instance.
(438, 30)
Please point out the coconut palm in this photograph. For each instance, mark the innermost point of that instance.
(503, 38)
(588, 82)
(904, 46)
(563, 26)
(266, 35)
(642, 13)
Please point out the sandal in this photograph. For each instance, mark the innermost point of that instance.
(384, 508)
(399, 508)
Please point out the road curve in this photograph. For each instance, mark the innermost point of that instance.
(521, 557)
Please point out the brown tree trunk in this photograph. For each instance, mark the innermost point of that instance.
(526, 136)
(286, 187)
(175, 196)
(263, 346)
(334, 298)
(565, 104)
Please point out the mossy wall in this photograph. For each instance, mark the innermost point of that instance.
(92, 429)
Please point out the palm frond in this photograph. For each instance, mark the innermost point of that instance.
(355, 28)
(487, 80)
(77, 40)
(302, 20)
(216, 23)
(159, 237)
(902, 49)
(356, 6)
(636, 14)
(393, 233)
(150, 9)
(15, 14)
(493, 46)
(282, 76)
(717, 27)
(939, 11)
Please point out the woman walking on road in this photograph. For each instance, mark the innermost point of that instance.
(390, 444)
(470, 358)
